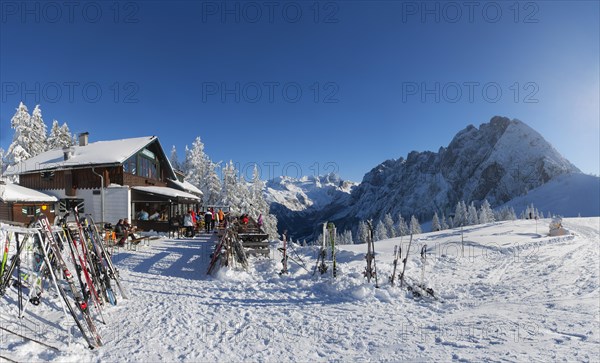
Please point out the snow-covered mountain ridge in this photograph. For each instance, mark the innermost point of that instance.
(499, 161)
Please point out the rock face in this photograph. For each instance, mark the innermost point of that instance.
(498, 161)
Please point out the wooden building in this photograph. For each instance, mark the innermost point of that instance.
(21, 205)
(116, 178)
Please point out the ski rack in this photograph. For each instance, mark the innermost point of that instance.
(88, 255)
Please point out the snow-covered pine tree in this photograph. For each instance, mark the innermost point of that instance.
(443, 223)
(38, 133)
(363, 232)
(460, 214)
(402, 227)
(450, 222)
(415, 227)
(486, 214)
(380, 232)
(435, 223)
(19, 148)
(347, 236)
(60, 136)
(472, 218)
(174, 159)
(212, 189)
(389, 225)
(258, 205)
(195, 164)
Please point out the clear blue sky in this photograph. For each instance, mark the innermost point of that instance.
(171, 69)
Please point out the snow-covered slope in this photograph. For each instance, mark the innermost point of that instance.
(569, 195)
(511, 294)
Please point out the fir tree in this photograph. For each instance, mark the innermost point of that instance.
(486, 214)
(19, 148)
(174, 159)
(472, 218)
(363, 232)
(38, 132)
(443, 223)
(435, 223)
(212, 185)
(402, 227)
(380, 232)
(415, 227)
(60, 136)
(389, 225)
(460, 214)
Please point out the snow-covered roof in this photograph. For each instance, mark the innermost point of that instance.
(17, 193)
(94, 153)
(187, 186)
(166, 191)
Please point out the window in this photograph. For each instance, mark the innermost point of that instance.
(130, 165)
(141, 165)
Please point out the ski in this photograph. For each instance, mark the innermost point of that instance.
(401, 278)
(11, 268)
(94, 340)
(321, 266)
(332, 233)
(370, 272)
(284, 258)
(397, 254)
(112, 270)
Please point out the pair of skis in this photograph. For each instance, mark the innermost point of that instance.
(418, 289)
(329, 234)
(371, 269)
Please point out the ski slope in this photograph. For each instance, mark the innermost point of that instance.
(510, 293)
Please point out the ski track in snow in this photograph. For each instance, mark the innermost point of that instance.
(510, 293)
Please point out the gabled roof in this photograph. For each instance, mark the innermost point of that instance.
(94, 153)
(186, 186)
(17, 193)
(167, 192)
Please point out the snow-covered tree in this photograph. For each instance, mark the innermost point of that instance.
(450, 222)
(460, 214)
(347, 237)
(486, 214)
(38, 133)
(174, 159)
(196, 163)
(443, 223)
(363, 232)
(389, 225)
(472, 218)
(19, 149)
(415, 227)
(380, 232)
(258, 205)
(60, 136)
(212, 185)
(435, 223)
(402, 227)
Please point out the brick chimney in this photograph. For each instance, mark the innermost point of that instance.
(83, 138)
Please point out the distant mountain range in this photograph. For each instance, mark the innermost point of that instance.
(499, 161)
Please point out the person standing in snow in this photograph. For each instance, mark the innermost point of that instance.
(213, 218)
(207, 220)
(188, 224)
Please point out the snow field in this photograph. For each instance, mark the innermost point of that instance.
(509, 294)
